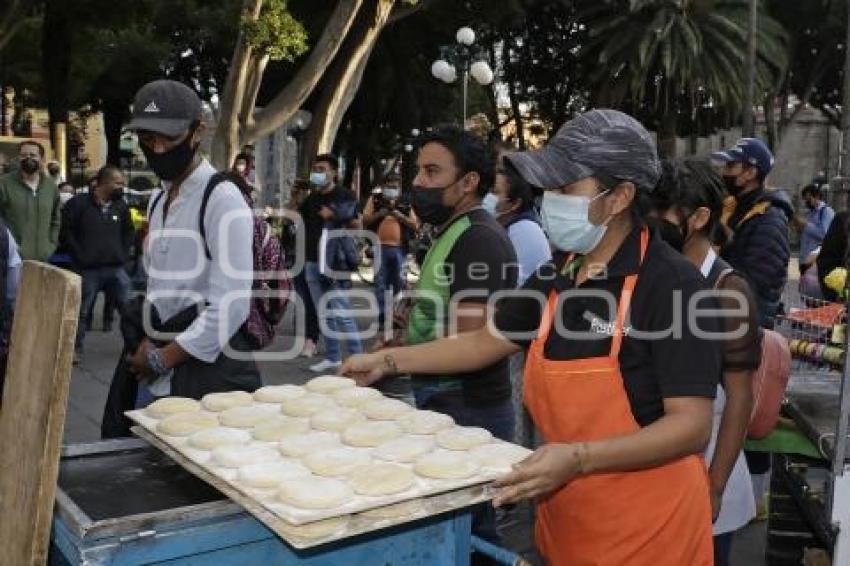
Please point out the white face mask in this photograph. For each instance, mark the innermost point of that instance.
(391, 194)
(490, 202)
(566, 221)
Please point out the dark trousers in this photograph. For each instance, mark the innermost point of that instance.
(311, 317)
(722, 548)
(113, 280)
(388, 278)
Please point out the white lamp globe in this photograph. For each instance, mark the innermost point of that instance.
(451, 75)
(481, 72)
(440, 69)
(414, 132)
(465, 36)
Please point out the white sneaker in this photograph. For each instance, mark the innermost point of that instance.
(324, 366)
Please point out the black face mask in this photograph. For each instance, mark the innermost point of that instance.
(428, 205)
(670, 233)
(170, 164)
(29, 165)
(731, 187)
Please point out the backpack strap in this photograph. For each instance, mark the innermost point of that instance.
(718, 272)
(156, 200)
(214, 181)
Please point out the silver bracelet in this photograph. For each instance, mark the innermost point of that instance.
(156, 361)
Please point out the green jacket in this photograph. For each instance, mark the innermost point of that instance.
(33, 219)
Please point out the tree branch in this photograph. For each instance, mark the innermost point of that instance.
(401, 13)
(257, 67)
(10, 33)
(296, 92)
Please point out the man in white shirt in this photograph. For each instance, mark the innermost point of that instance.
(190, 272)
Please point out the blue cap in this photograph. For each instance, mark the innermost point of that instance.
(751, 151)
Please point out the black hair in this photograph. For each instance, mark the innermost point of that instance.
(328, 158)
(105, 171)
(244, 157)
(518, 188)
(32, 142)
(812, 190)
(470, 153)
(689, 184)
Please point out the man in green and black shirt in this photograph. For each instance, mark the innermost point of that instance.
(471, 258)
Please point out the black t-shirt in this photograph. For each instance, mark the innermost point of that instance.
(313, 223)
(481, 263)
(652, 368)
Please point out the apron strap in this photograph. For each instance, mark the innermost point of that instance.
(626, 299)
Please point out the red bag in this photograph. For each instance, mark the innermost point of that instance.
(769, 383)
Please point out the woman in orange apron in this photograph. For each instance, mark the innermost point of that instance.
(621, 395)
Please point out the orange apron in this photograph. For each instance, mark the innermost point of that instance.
(652, 517)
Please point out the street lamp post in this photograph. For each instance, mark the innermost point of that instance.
(467, 57)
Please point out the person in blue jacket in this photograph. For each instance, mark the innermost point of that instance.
(756, 224)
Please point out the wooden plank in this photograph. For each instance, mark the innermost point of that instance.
(358, 523)
(34, 404)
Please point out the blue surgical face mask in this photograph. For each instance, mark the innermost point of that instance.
(391, 194)
(319, 179)
(566, 221)
(490, 202)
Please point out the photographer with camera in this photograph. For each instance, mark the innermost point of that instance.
(388, 213)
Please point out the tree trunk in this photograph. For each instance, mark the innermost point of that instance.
(342, 81)
(56, 48)
(750, 93)
(667, 135)
(770, 122)
(289, 100)
(513, 97)
(226, 141)
(256, 69)
(113, 117)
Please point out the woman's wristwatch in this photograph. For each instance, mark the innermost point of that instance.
(156, 361)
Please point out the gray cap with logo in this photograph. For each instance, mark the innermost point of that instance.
(600, 143)
(165, 107)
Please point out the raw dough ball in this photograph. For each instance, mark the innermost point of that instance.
(404, 449)
(278, 393)
(386, 409)
(238, 456)
(272, 429)
(315, 493)
(356, 396)
(267, 475)
(336, 419)
(499, 454)
(226, 400)
(328, 383)
(370, 433)
(297, 446)
(162, 408)
(446, 465)
(215, 437)
(336, 461)
(246, 417)
(403, 509)
(425, 422)
(463, 437)
(184, 424)
(380, 479)
(316, 529)
(307, 405)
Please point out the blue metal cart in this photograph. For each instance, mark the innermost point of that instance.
(125, 503)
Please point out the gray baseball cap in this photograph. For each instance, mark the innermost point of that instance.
(165, 107)
(599, 143)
